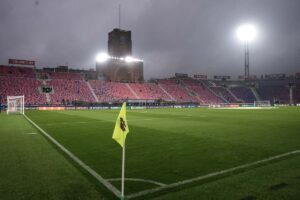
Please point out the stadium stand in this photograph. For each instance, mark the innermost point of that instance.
(70, 86)
(15, 81)
(67, 91)
(243, 93)
(177, 91)
(17, 71)
(276, 94)
(65, 75)
(198, 87)
(16, 86)
(149, 91)
(111, 91)
(223, 93)
(275, 91)
(296, 94)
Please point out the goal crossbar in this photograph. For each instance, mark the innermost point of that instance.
(15, 104)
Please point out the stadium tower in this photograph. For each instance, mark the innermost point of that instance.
(120, 66)
(119, 43)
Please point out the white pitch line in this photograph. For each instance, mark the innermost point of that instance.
(137, 180)
(30, 133)
(187, 181)
(107, 184)
(245, 108)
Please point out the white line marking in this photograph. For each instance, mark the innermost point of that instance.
(187, 181)
(107, 184)
(245, 108)
(137, 180)
(30, 133)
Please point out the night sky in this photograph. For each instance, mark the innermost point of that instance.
(186, 36)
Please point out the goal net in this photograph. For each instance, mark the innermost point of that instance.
(266, 103)
(15, 105)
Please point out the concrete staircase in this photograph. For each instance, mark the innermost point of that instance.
(256, 95)
(92, 91)
(221, 97)
(211, 83)
(198, 98)
(170, 96)
(132, 91)
(208, 88)
(192, 93)
(230, 92)
(48, 98)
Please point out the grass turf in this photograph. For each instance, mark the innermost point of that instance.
(170, 145)
(30, 168)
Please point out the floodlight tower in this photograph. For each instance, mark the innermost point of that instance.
(246, 33)
(117, 64)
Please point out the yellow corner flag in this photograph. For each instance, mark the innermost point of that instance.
(121, 127)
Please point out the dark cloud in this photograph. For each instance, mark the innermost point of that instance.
(189, 36)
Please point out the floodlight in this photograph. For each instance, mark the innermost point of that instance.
(246, 32)
(102, 57)
(129, 59)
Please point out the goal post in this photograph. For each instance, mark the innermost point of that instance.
(265, 103)
(15, 105)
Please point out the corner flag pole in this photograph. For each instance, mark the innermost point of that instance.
(119, 135)
(123, 172)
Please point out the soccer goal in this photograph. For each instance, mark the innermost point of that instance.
(265, 103)
(15, 105)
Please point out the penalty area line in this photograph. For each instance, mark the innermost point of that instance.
(207, 176)
(99, 178)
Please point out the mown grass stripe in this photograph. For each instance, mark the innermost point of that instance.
(222, 172)
(98, 177)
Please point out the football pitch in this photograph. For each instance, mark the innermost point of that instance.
(194, 153)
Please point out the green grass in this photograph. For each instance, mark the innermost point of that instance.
(30, 168)
(279, 180)
(164, 145)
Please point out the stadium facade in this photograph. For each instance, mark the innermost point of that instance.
(67, 87)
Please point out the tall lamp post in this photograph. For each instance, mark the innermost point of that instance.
(246, 33)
